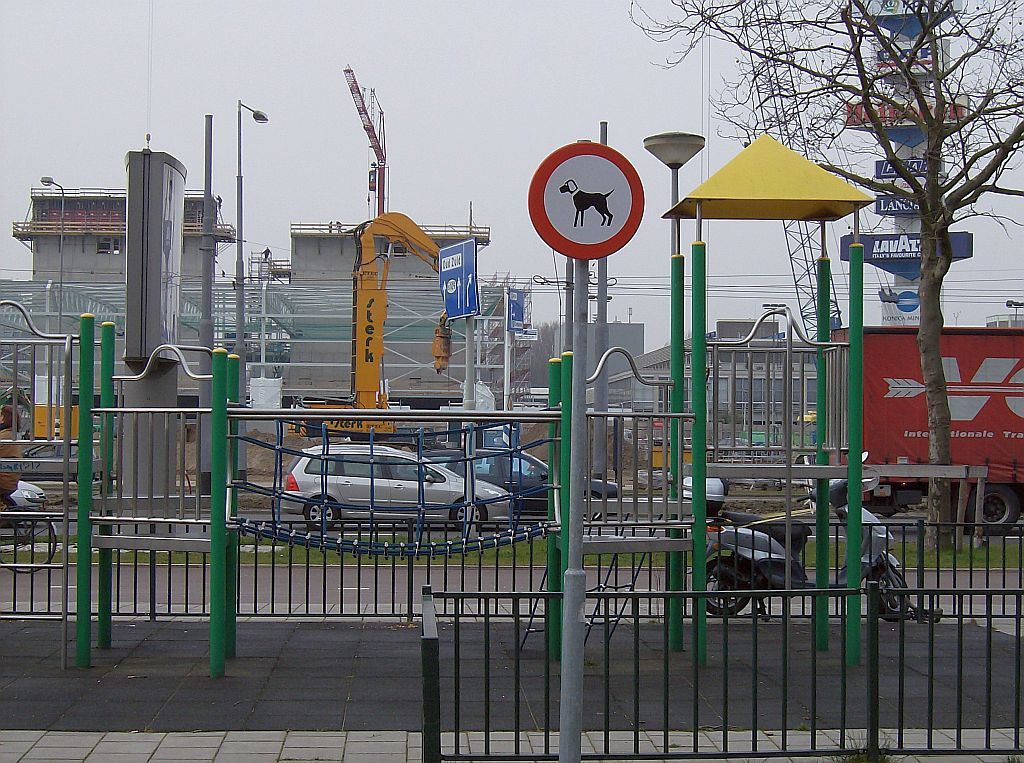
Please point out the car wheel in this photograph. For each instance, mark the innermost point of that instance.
(477, 514)
(1001, 506)
(716, 581)
(319, 513)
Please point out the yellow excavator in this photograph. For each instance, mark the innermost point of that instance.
(369, 311)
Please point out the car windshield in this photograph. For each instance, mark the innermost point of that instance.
(526, 468)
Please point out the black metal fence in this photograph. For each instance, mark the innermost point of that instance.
(764, 690)
(285, 579)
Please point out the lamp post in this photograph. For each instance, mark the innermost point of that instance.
(261, 118)
(674, 149)
(1015, 306)
(48, 181)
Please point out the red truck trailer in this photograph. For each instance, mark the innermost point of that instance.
(984, 370)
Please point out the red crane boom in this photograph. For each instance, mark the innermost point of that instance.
(376, 138)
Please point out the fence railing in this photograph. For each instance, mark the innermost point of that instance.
(765, 690)
(277, 578)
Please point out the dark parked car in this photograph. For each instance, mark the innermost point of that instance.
(50, 468)
(521, 474)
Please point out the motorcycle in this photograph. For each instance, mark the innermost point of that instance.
(747, 552)
(28, 534)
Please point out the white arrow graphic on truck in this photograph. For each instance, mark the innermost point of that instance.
(993, 378)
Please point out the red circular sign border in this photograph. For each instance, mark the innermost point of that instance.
(539, 217)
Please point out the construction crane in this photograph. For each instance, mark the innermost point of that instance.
(785, 124)
(372, 118)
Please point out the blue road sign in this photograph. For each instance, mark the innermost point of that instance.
(457, 274)
(885, 171)
(516, 312)
(896, 206)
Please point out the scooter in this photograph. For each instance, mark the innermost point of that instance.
(747, 552)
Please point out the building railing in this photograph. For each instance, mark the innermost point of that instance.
(32, 228)
(482, 233)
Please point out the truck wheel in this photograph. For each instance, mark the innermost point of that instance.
(1001, 506)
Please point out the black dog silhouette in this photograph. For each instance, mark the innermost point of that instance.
(585, 201)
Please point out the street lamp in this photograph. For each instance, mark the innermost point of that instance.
(674, 149)
(48, 181)
(261, 118)
(1015, 306)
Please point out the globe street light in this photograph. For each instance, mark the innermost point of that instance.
(674, 149)
(48, 181)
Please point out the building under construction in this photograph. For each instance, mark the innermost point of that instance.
(298, 309)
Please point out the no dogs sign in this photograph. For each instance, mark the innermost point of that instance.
(586, 200)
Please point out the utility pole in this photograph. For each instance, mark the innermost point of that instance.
(209, 250)
(469, 388)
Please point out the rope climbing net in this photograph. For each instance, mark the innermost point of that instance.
(421, 475)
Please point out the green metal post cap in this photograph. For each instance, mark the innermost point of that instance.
(567, 354)
(554, 360)
(220, 351)
(231, 356)
(88, 315)
(107, 323)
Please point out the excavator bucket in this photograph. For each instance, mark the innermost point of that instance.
(442, 345)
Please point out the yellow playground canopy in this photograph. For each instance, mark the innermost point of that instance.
(767, 181)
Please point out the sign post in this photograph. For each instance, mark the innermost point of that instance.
(586, 202)
(515, 325)
(460, 292)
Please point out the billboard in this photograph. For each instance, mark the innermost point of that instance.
(156, 210)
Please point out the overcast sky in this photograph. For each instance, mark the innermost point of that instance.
(476, 94)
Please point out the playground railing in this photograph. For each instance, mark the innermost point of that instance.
(277, 578)
(766, 689)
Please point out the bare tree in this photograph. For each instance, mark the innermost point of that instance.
(807, 70)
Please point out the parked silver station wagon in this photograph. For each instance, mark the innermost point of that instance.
(386, 483)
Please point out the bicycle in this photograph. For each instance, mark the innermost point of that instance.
(28, 540)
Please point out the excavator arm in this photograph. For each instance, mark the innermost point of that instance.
(370, 303)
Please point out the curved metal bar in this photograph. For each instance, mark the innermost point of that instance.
(785, 312)
(31, 325)
(632, 364)
(179, 352)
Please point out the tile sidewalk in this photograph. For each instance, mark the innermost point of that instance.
(332, 747)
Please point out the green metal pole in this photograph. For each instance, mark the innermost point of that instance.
(554, 609)
(218, 510)
(699, 443)
(231, 557)
(105, 604)
(855, 408)
(83, 564)
(676, 570)
(563, 466)
(821, 571)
